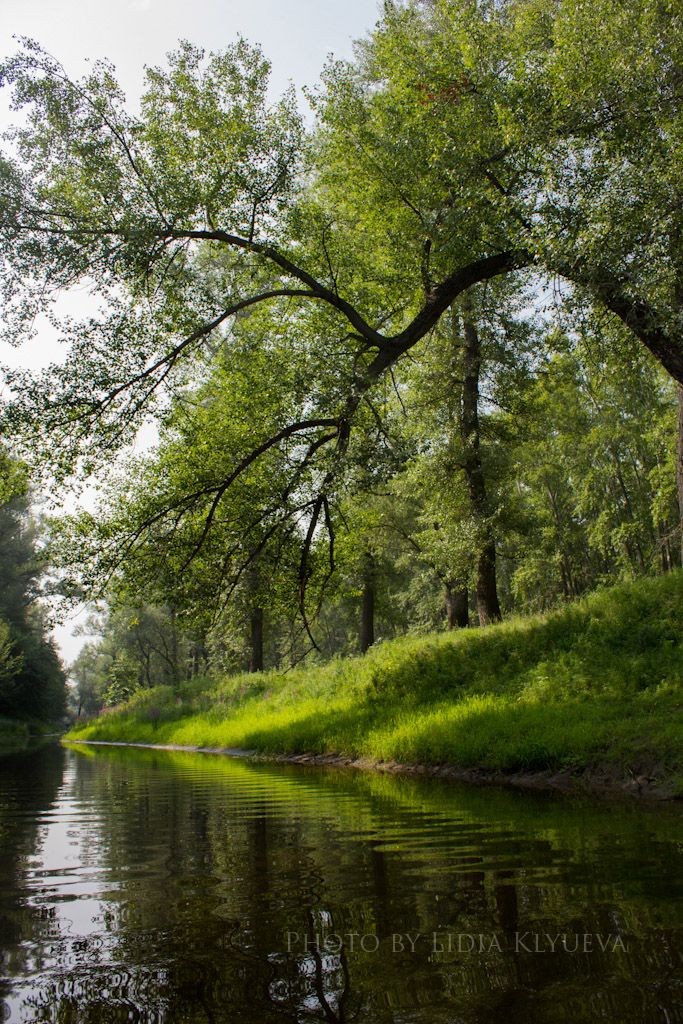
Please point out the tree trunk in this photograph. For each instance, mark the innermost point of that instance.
(367, 611)
(488, 607)
(256, 639)
(256, 618)
(175, 668)
(457, 606)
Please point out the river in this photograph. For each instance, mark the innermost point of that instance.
(150, 886)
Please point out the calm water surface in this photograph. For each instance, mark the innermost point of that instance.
(158, 887)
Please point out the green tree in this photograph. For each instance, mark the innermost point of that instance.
(460, 145)
(140, 207)
(594, 458)
(32, 683)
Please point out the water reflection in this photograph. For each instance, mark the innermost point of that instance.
(158, 887)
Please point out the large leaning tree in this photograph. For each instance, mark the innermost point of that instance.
(550, 129)
(460, 145)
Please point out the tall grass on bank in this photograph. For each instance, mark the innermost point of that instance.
(597, 683)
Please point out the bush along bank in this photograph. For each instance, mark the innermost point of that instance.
(587, 696)
(13, 735)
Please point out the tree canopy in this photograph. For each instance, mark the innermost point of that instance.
(267, 289)
(32, 682)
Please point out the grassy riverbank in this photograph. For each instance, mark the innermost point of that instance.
(594, 687)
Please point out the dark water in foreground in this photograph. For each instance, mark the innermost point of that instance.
(146, 886)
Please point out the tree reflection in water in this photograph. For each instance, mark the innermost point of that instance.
(150, 887)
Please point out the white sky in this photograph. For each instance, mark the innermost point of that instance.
(296, 35)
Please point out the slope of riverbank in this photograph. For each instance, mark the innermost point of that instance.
(590, 692)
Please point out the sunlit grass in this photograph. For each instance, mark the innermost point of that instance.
(597, 683)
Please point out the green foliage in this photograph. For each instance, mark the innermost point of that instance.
(593, 485)
(282, 302)
(596, 684)
(457, 146)
(209, 148)
(135, 650)
(13, 478)
(10, 663)
(32, 682)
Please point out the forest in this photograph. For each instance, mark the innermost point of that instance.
(411, 362)
(32, 680)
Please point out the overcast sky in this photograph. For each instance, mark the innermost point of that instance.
(296, 35)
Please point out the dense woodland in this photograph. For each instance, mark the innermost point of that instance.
(32, 680)
(415, 366)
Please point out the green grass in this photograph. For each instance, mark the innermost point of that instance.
(594, 685)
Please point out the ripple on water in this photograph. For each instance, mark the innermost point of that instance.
(149, 886)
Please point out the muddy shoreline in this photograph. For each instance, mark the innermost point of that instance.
(605, 782)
